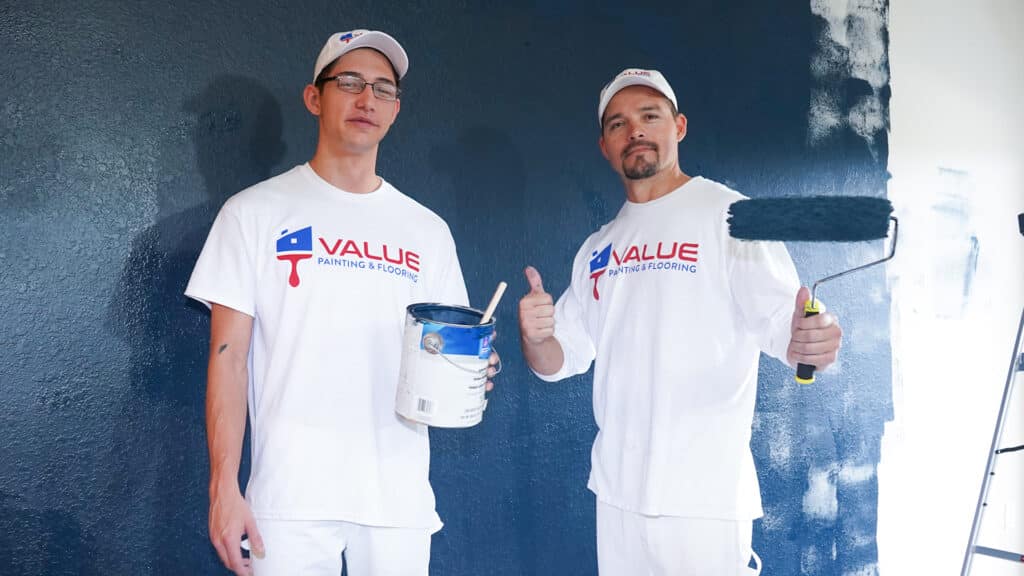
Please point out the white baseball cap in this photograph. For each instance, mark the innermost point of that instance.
(340, 43)
(634, 77)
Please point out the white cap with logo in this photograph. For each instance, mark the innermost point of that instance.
(342, 42)
(634, 77)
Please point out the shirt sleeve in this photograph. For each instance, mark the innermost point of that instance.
(225, 271)
(571, 329)
(764, 284)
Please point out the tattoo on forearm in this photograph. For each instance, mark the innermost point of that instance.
(222, 348)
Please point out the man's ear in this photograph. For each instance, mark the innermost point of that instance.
(680, 127)
(311, 97)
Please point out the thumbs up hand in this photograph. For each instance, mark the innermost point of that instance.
(536, 310)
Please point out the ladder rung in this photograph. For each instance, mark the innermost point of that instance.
(1004, 554)
(1014, 449)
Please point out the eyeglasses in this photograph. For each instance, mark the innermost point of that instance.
(382, 90)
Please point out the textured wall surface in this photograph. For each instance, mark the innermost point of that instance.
(125, 127)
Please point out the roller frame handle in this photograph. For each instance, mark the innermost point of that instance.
(805, 372)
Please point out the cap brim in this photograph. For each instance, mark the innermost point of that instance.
(625, 82)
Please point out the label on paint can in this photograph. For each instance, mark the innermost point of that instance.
(444, 365)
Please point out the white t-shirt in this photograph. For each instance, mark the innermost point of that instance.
(675, 311)
(327, 275)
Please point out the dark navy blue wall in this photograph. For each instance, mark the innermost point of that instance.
(125, 127)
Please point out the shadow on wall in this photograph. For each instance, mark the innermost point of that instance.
(160, 460)
(48, 542)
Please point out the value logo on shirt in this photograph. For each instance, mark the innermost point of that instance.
(346, 253)
(599, 265)
(294, 248)
(659, 257)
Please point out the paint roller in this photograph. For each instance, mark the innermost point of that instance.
(814, 219)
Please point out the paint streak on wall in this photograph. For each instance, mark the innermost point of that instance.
(820, 499)
(869, 570)
(780, 437)
(856, 474)
(850, 69)
(953, 240)
(810, 561)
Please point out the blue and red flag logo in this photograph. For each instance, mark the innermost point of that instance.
(294, 248)
(599, 265)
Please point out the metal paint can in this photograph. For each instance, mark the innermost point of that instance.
(444, 365)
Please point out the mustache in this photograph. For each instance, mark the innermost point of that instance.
(639, 144)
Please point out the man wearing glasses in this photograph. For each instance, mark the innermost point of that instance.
(308, 275)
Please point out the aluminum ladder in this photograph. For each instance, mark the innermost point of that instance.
(1016, 366)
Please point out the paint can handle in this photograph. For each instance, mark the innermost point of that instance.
(433, 343)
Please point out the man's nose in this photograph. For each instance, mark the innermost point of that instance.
(366, 99)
